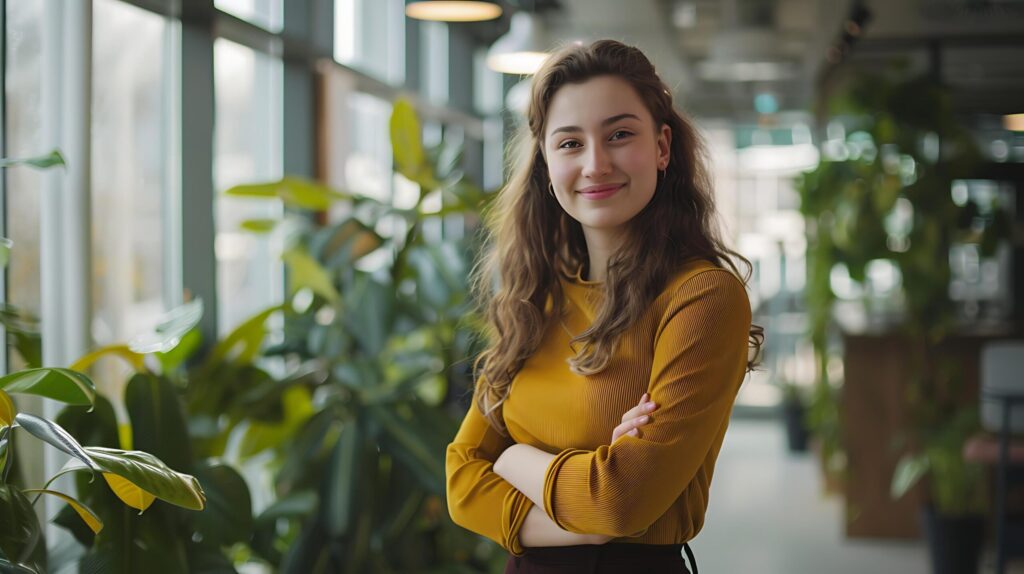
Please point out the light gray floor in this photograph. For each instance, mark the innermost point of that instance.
(768, 516)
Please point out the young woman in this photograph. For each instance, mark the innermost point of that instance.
(620, 331)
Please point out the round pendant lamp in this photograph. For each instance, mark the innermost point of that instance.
(453, 10)
(523, 49)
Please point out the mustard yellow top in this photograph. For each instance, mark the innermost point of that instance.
(689, 351)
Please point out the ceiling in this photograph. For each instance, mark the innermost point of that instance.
(719, 54)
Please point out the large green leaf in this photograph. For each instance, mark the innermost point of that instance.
(23, 328)
(243, 344)
(297, 404)
(406, 145)
(40, 162)
(227, 518)
(62, 385)
(158, 420)
(20, 535)
(135, 360)
(343, 479)
(370, 305)
(909, 470)
(54, 434)
(172, 359)
(304, 271)
(404, 441)
(298, 504)
(7, 410)
(294, 191)
(171, 329)
(88, 516)
(151, 475)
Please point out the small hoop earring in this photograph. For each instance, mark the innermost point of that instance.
(551, 189)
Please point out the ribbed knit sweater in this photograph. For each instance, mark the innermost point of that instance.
(689, 350)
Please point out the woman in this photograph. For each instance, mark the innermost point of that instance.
(619, 331)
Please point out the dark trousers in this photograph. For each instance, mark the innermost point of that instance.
(600, 559)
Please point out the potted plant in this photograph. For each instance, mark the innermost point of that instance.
(380, 328)
(954, 515)
(794, 415)
(883, 193)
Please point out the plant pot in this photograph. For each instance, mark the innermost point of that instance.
(796, 430)
(954, 541)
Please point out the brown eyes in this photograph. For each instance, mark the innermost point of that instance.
(573, 144)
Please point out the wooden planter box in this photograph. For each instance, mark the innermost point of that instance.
(877, 370)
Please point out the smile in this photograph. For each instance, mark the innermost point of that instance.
(601, 191)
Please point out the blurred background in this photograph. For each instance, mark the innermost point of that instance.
(262, 213)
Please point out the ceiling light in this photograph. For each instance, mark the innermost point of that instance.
(1014, 122)
(453, 10)
(523, 49)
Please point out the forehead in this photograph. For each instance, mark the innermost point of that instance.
(588, 103)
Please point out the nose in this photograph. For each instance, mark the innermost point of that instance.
(598, 163)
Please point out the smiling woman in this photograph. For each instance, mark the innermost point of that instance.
(621, 321)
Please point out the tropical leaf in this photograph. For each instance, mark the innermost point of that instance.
(227, 518)
(259, 225)
(135, 360)
(243, 344)
(64, 385)
(52, 433)
(170, 330)
(88, 516)
(129, 492)
(909, 470)
(343, 477)
(135, 476)
(7, 410)
(172, 359)
(39, 162)
(20, 534)
(405, 140)
(157, 420)
(294, 191)
(304, 271)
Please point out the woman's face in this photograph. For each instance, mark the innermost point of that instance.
(603, 152)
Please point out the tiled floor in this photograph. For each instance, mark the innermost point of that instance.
(768, 516)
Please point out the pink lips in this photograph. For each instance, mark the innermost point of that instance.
(601, 191)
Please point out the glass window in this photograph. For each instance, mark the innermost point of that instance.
(250, 276)
(369, 35)
(24, 133)
(434, 60)
(131, 99)
(263, 13)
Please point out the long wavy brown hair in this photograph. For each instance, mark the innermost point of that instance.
(532, 240)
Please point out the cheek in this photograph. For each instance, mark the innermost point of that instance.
(639, 161)
(562, 172)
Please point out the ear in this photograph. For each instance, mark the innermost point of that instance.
(664, 146)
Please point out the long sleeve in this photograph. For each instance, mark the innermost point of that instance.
(700, 354)
(479, 499)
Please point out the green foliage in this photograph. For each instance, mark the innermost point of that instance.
(130, 473)
(375, 325)
(905, 150)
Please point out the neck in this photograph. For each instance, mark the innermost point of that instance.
(601, 245)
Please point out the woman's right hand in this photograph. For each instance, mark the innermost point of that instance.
(635, 418)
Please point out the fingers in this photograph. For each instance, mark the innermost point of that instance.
(644, 407)
(630, 427)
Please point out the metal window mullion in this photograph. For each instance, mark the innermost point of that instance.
(3, 173)
(197, 226)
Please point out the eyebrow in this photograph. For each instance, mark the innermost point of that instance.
(606, 122)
